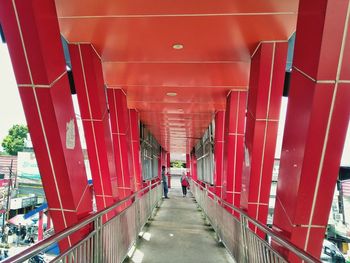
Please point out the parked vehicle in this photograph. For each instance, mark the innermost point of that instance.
(37, 259)
(331, 253)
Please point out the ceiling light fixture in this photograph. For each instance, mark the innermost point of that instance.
(178, 46)
(171, 94)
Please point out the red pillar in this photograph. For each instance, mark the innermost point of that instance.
(48, 220)
(194, 167)
(219, 151)
(162, 162)
(159, 166)
(316, 123)
(121, 139)
(33, 37)
(135, 148)
(267, 73)
(188, 164)
(40, 226)
(234, 148)
(168, 169)
(89, 84)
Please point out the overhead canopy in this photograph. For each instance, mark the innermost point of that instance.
(196, 50)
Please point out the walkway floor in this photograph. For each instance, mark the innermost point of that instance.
(178, 234)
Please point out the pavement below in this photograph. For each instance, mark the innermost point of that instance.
(178, 233)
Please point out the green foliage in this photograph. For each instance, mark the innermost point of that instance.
(14, 141)
(177, 164)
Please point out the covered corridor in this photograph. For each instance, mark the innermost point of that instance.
(179, 233)
(111, 89)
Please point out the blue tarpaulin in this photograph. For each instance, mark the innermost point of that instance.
(36, 210)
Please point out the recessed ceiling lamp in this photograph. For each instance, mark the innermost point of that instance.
(171, 94)
(178, 46)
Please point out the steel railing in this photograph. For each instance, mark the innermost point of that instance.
(110, 241)
(107, 242)
(238, 231)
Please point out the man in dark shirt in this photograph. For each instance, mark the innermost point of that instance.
(165, 183)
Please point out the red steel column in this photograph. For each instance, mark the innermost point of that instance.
(48, 220)
(159, 166)
(120, 133)
(89, 84)
(267, 73)
(188, 164)
(194, 167)
(234, 147)
(40, 226)
(33, 38)
(168, 169)
(316, 123)
(219, 151)
(135, 148)
(162, 162)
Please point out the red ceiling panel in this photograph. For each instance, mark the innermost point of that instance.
(205, 38)
(135, 41)
(178, 7)
(176, 74)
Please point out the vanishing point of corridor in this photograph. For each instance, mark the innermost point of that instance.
(178, 233)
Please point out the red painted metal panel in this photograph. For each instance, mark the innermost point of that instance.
(345, 67)
(233, 148)
(265, 95)
(319, 39)
(74, 7)
(135, 140)
(135, 41)
(121, 140)
(47, 66)
(316, 124)
(34, 43)
(219, 151)
(168, 169)
(88, 79)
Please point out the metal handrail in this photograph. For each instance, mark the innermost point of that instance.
(40, 246)
(276, 236)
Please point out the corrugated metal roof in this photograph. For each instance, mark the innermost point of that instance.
(5, 165)
(346, 188)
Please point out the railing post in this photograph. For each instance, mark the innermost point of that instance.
(159, 195)
(98, 253)
(244, 227)
(150, 201)
(218, 227)
(137, 216)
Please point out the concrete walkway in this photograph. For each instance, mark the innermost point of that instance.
(178, 234)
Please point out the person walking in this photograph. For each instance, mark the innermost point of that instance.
(165, 183)
(184, 184)
(6, 233)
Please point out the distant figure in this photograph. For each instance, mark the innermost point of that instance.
(18, 233)
(184, 184)
(6, 233)
(1, 255)
(6, 254)
(165, 183)
(23, 232)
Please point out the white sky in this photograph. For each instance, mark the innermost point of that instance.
(346, 152)
(11, 110)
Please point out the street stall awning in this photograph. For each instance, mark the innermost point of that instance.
(19, 219)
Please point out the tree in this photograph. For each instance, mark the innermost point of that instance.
(177, 164)
(14, 141)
